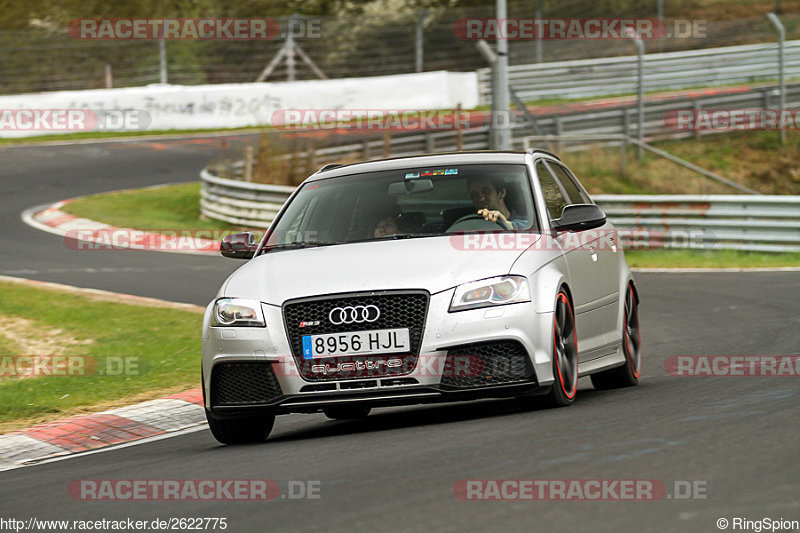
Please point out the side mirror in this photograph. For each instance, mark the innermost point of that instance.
(238, 246)
(579, 217)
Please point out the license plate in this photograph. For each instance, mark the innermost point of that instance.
(376, 341)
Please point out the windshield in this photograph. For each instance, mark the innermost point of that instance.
(407, 203)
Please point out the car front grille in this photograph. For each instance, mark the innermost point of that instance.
(398, 309)
(243, 383)
(487, 363)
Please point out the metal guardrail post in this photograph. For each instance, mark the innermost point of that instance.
(781, 82)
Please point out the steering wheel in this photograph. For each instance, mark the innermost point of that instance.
(474, 221)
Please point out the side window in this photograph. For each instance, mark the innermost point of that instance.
(574, 192)
(553, 196)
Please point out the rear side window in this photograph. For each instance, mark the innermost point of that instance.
(571, 188)
(553, 195)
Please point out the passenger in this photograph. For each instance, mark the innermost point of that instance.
(386, 226)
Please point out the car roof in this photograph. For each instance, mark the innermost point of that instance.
(429, 160)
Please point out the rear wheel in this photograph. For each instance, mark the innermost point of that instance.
(346, 412)
(240, 430)
(565, 354)
(626, 375)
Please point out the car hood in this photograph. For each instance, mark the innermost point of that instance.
(431, 263)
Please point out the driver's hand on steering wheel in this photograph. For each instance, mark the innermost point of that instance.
(495, 216)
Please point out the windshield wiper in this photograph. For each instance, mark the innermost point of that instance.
(297, 245)
(408, 236)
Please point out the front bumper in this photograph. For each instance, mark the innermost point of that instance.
(444, 333)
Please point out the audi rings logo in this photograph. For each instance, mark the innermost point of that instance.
(354, 314)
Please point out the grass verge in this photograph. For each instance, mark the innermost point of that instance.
(140, 353)
(709, 259)
(174, 207)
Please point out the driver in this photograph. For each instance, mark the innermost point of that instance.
(489, 199)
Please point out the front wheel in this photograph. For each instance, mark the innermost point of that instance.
(628, 374)
(565, 354)
(240, 430)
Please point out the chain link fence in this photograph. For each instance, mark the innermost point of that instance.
(381, 40)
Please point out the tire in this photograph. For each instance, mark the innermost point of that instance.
(241, 430)
(565, 355)
(628, 374)
(346, 412)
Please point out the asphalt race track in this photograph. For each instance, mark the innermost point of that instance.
(395, 470)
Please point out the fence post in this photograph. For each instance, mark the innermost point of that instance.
(538, 34)
(162, 60)
(459, 134)
(365, 149)
(109, 77)
(502, 133)
(429, 143)
(781, 81)
(557, 128)
(418, 41)
(248, 163)
(697, 107)
(624, 144)
(387, 143)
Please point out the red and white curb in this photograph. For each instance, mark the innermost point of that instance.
(84, 433)
(99, 236)
(98, 430)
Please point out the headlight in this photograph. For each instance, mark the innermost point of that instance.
(490, 292)
(237, 312)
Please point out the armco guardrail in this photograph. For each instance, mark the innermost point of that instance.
(239, 202)
(727, 65)
(730, 222)
(758, 223)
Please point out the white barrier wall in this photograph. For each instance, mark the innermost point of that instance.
(177, 107)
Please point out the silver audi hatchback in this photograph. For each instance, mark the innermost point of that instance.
(420, 279)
